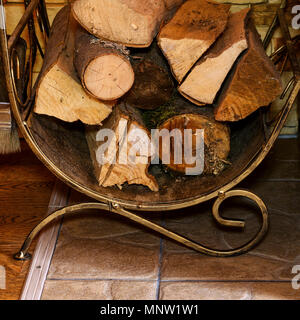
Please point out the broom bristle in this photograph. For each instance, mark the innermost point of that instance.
(9, 141)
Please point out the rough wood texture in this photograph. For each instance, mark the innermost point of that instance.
(132, 22)
(193, 29)
(24, 196)
(121, 167)
(216, 142)
(103, 67)
(59, 92)
(203, 83)
(152, 88)
(254, 83)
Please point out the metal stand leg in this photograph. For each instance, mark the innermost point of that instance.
(115, 208)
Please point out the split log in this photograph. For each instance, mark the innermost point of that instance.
(253, 83)
(152, 88)
(103, 67)
(133, 23)
(171, 4)
(121, 166)
(59, 92)
(192, 30)
(216, 143)
(204, 81)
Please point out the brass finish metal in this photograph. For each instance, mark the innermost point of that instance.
(236, 223)
(116, 208)
(120, 206)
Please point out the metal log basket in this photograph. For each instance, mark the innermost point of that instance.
(64, 150)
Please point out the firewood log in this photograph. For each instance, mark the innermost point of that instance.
(171, 4)
(152, 88)
(192, 30)
(133, 23)
(216, 144)
(204, 81)
(254, 82)
(59, 92)
(121, 166)
(103, 67)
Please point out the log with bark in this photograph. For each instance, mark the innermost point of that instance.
(103, 67)
(192, 30)
(254, 82)
(133, 23)
(125, 156)
(152, 88)
(184, 152)
(180, 114)
(204, 81)
(59, 92)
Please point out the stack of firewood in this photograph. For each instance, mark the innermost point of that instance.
(191, 65)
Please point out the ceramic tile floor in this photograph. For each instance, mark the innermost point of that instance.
(100, 256)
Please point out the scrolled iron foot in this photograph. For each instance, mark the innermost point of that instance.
(241, 224)
(20, 256)
(115, 208)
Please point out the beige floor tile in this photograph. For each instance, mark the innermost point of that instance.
(132, 256)
(281, 242)
(99, 290)
(193, 266)
(274, 291)
(228, 291)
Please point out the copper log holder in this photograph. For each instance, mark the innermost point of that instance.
(20, 110)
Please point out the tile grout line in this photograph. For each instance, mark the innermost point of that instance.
(161, 249)
(103, 279)
(169, 280)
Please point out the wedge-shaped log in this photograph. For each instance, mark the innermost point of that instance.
(216, 144)
(192, 30)
(133, 23)
(59, 92)
(103, 67)
(254, 82)
(204, 81)
(126, 155)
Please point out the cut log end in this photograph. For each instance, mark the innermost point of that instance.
(108, 77)
(59, 92)
(216, 143)
(60, 96)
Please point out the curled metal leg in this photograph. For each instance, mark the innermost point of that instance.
(23, 253)
(115, 208)
(197, 246)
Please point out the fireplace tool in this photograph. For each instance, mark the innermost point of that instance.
(64, 151)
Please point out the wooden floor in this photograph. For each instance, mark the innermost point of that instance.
(25, 189)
